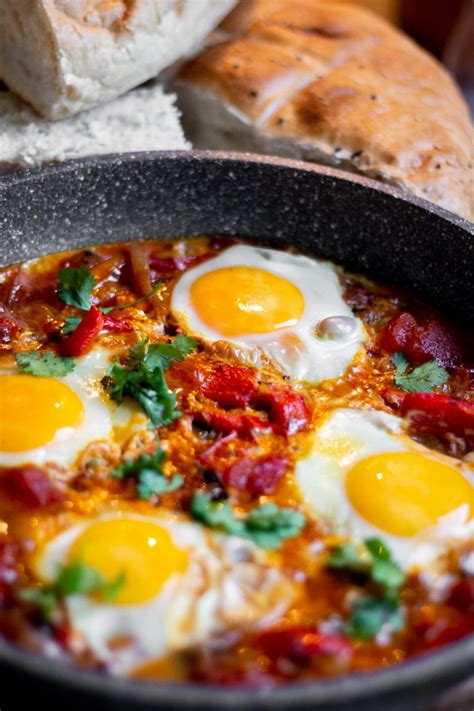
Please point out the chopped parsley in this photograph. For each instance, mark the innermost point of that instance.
(70, 325)
(148, 473)
(74, 579)
(75, 287)
(267, 525)
(44, 365)
(142, 378)
(421, 379)
(374, 561)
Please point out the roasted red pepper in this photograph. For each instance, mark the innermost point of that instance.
(231, 386)
(287, 410)
(421, 340)
(258, 475)
(30, 486)
(221, 421)
(439, 415)
(81, 340)
(302, 643)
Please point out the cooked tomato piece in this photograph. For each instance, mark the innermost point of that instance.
(287, 410)
(9, 327)
(439, 415)
(462, 594)
(115, 325)
(82, 339)
(256, 475)
(231, 386)
(222, 421)
(421, 341)
(8, 572)
(30, 486)
(302, 643)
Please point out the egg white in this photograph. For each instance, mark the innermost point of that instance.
(100, 415)
(228, 585)
(297, 350)
(347, 436)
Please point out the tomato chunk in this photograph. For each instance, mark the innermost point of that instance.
(256, 475)
(421, 340)
(287, 410)
(300, 644)
(81, 340)
(222, 421)
(231, 386)
(30, 486)
(439, 415)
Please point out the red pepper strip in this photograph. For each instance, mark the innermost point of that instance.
(115, 325)
(258, 475)
(300, 644)
(287, 410)
(231, 386)
(231, 422)
(30, 486)
(421, 341)
(437, 414)
(80, 341)
(166, 266)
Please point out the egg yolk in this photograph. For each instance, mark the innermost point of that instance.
(33, 410)
(140, 550)
(406, 492)
(235, 301)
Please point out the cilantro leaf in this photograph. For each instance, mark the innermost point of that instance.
(267, 525)
(75, 287)
(421, 379)
(142, 299)
(371, 613)
(147, 470)
(74, 579)
(70, 325)
(142, 378)
(44, 365)
(373, 560)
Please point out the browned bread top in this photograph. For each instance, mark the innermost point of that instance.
(348, 88)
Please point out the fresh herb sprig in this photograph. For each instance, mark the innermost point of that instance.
(267, 525)
(372, 560)
(147, 470)
(74, 579)
(44, 365)
(142, 378)
(421, 379)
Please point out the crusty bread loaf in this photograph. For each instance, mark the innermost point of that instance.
(145, 119)
(63, 56)
(333, 84)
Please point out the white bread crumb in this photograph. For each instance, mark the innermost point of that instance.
(144, 120)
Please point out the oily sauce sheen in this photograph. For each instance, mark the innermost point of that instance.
(243, 430)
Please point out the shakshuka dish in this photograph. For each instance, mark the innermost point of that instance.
(230, 464)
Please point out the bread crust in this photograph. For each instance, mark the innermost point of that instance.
(334, 84)
(64, 56)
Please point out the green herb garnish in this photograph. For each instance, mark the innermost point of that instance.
(267, 525)
(421, 379)
(148, 473)
(75, 287)
(142, 378)
(74, 579)
(44, 365)
(373, 561)
(70, 325)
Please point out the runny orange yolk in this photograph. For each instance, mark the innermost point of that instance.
(33, 410)
(235, 301)
(406, 492)
(140, 550)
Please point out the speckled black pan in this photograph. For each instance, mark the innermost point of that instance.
(368, 227)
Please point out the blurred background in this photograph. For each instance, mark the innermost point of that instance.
(444, 27)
